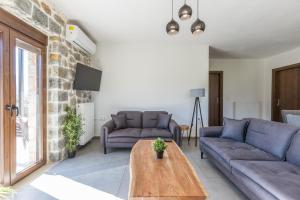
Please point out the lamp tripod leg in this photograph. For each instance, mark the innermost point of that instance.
(190, 132)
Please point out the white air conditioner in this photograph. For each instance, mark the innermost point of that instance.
(78, 38)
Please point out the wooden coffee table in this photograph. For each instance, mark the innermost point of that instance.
(173, 177)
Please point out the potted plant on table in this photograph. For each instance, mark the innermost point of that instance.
(159, 147)
(72, 130)
(6, 193)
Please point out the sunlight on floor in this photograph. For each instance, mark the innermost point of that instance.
(64, 188)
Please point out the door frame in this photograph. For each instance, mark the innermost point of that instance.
(4, 99)
(10, 23)
(220, 73)
(274, 91)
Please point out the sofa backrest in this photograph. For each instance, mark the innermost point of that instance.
(150, 118)
(133, 118)
(293, 153)
(272, 137)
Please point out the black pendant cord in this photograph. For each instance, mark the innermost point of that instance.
(172, 9)
(198, 9)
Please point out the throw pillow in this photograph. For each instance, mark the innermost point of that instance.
(293, 119)
(119, 121)
(234, 129)
(163, 121)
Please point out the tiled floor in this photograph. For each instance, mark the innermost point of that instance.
(93, 175)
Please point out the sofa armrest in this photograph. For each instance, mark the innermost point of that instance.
(106, 129)
(212, 131)
(175, 130)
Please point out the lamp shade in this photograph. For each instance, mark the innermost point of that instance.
(199, 92)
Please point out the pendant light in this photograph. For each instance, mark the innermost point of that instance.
(172, 27)
(198, 26)
(185, 12)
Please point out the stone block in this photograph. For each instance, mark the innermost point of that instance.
(62, 96)
(62, 72)
(54, 156)
(55, 59)
(24, 5)
(67, 85)
(46, 8)
(36, 3)
(63, 50)
(59, 20)
(40, 17)
(52, 95)
(55, 83)
(77, 56)
(55, 38)
(54, 27)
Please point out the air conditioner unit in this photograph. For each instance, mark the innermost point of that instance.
(79, 39)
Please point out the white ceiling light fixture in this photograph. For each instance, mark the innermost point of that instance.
(172, 27)
(198, 26)
(185, 12)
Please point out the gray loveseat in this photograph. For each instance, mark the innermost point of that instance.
(266, 166)
(141, 125)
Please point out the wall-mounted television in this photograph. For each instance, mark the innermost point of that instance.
(87, 78)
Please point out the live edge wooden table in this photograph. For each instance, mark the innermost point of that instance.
(171, 178)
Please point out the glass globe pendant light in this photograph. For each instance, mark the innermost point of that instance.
(185, 12)
(198, 26)
(172, 27)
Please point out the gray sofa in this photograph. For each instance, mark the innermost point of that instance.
(265, 166)
(141, 125)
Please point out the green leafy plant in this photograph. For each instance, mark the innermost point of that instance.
(5, 192)
(159, 145)
(72, 129)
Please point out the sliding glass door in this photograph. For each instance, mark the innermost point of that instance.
(23, 90)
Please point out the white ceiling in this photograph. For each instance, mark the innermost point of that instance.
(234, 28)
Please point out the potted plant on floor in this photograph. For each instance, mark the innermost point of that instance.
(72, 130)
(159, 147)
(6, 193)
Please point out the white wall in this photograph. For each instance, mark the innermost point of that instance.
(242, 86)
(280, 60)
(151, 77)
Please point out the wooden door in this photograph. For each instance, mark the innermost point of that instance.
(286, 90)
(23, 87)
(215, 98)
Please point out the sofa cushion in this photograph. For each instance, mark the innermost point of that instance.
(127, 132)
(293, 119)
(163, 121)
(279, 178)
(234, 129)
(154, 133)
(150, 118)
(272, 137)
(230, 150)
(119, 121)
(133, 118)
(293, 153)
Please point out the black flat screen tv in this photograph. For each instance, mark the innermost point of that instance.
(87, 78)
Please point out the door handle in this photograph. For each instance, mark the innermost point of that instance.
(11, 108)
(14, 107)
(278, 102)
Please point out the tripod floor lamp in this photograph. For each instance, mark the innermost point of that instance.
(197, 93)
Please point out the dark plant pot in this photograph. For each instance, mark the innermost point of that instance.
(71, 154)
(159, 155)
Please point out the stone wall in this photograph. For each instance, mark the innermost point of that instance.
(62, 58)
